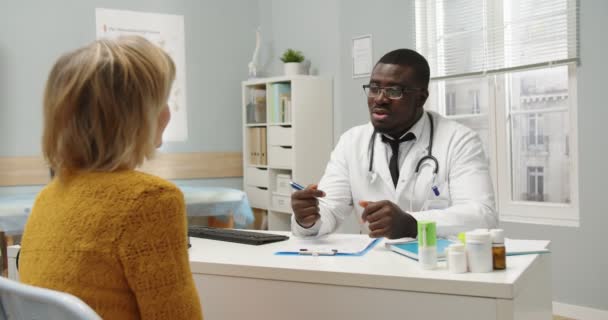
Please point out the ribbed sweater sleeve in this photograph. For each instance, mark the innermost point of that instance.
(153, 251)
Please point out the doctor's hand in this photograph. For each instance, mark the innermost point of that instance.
(305, 205)
(386, 219)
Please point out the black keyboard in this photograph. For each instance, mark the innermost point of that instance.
(234, 235)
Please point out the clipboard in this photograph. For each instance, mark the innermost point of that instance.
(345, 245)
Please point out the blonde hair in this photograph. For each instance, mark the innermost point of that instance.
(102, 102)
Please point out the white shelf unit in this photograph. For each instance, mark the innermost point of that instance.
(299, 147)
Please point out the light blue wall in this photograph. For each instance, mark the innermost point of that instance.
(302, 25)
(391, 24)
(323, 31)
(309, 26)
(219, 42)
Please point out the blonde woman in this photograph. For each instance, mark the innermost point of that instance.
(110, 235)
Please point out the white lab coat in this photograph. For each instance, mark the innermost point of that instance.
(466, 199)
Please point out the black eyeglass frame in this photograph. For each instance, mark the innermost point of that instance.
(402, 91)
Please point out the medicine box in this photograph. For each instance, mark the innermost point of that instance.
(283, 186)
(281, 202)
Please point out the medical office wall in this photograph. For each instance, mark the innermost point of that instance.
(219, 38)
(577, 252)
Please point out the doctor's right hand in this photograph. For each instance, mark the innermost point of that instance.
(305, 205)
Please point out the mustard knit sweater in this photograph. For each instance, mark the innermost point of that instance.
(115, 240)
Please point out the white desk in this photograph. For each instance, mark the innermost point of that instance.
(249, 282)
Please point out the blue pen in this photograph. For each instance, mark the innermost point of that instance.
(297, 186)
(435, 191)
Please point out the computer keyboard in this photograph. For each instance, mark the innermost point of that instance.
(234, 235)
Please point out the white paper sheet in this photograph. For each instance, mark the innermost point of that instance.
(517, 247)
(362, 56)
(344, 243)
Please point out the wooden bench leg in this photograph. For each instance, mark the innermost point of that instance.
(3, 251)
(221, 222)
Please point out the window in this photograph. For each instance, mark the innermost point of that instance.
(535, 184)
(507, 69)
(450, 103)
(535, 137)
(474, 98)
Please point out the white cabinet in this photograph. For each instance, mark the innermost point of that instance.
(280, 136)
(287, 131)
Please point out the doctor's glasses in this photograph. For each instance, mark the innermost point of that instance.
(392, 92)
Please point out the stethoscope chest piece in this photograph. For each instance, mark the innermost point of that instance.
(372, 175)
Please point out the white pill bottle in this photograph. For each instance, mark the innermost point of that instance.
(479, 251)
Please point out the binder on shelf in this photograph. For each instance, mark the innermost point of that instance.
(250, 146)
(263, 147)
(258, 151)
(256, 143)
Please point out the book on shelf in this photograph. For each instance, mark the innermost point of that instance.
(285, 108)
(277, 91)
(256, 108)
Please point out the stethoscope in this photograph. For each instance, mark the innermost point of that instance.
(428, 157)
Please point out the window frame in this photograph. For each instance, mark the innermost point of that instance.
(549, 213)
(499, 117)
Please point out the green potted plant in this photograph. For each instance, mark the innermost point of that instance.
(292, 60)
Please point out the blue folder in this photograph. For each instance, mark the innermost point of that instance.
(410, 249)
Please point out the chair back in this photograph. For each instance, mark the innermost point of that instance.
(19, 301)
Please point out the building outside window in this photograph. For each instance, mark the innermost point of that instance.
(450, 103)
(474, 100)
(535, 184)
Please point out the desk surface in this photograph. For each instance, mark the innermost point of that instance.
(380, 268)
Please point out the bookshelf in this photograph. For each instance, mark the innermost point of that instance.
(287, 135)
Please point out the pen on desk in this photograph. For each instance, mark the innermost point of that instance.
(307, 252)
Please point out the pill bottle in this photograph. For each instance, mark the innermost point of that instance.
(457, 258)
(479, 251)
(499, 252)
(427, 244)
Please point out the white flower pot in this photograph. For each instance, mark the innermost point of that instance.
(293, 68)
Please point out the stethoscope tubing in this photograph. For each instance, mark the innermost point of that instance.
(429, 156)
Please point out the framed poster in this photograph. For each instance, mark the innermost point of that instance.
(167, 32)
(362, 56)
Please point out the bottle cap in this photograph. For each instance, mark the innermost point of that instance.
(462, 237)
(456, 247)
(498, 235)
(427, 236)
(478, 236)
